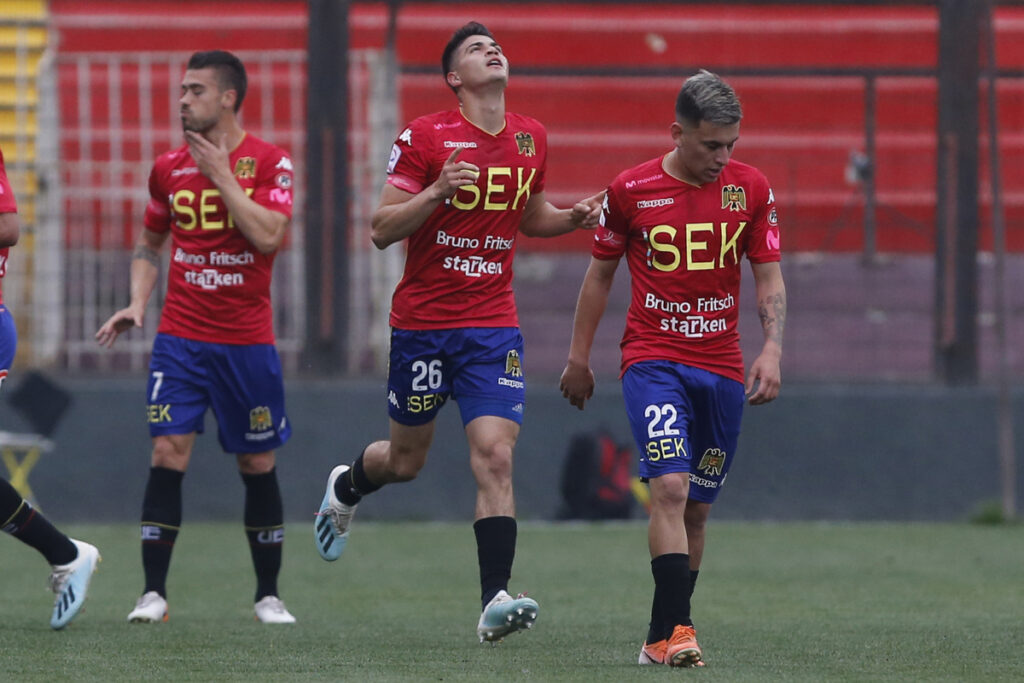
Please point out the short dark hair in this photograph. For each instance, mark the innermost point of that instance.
(706, 97)
(473, 28)
(229, 68)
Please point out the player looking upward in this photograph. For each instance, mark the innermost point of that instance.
(73, 562)
(460, 185)
(225, 200)
(683, 221)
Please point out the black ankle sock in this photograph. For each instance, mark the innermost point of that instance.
(21, 520)
(693, 580)
(264, 526)
(354, 484)
(161, 521)
(496, 549)
(672, 584)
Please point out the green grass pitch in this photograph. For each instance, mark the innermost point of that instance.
(788, 602)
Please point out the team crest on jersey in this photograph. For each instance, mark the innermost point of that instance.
(711, 462)
(259, 419)
(245, 168)
(513, 366)
(734, 198)
(524, 141)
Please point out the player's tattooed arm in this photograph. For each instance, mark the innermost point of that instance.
(145, 267)
(765, 377)
(772, 311)
(146, 253)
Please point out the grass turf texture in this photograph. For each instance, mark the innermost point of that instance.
(794, 602)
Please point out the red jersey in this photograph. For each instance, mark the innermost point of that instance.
(683, 244)
(458, 269)
(218, 284)
(7, 205)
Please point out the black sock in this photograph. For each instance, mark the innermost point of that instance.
(264, 526)
(354, 484)
(21, 520)
(161, 521)
(693, 580)
(656, 628)
(672, 584)
(495, 549)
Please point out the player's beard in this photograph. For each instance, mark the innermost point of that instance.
(196, 125)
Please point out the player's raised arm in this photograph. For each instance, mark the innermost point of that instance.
(145, 269)
(263, 227)
(543, 219)
(401, 213)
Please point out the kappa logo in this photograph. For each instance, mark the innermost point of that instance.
(392, 399)
(771, 196)
(259, 419)
(452, 144)
(712, 462)
(406, 136)
(285, 164)
(245, 168)
(734, 198)
(513, 365)
(654, 203)
(524, 142)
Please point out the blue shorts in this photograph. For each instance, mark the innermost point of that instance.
(480, 367)
(8, 341)
(242, 383)
(684, 419)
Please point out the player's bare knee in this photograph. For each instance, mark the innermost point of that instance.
(171, 452)
(696, 515)
(670, 491)
(495, 462)
(255, 463)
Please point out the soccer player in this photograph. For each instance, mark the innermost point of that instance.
(683, 221)
(225, 199)
(73, 562)
(460, 185)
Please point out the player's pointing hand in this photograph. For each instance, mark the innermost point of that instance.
(455, 174)
(587, 212)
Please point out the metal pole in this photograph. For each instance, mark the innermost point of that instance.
(327, 249)
(956, 244)
(870, 200)
(1004, 413)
